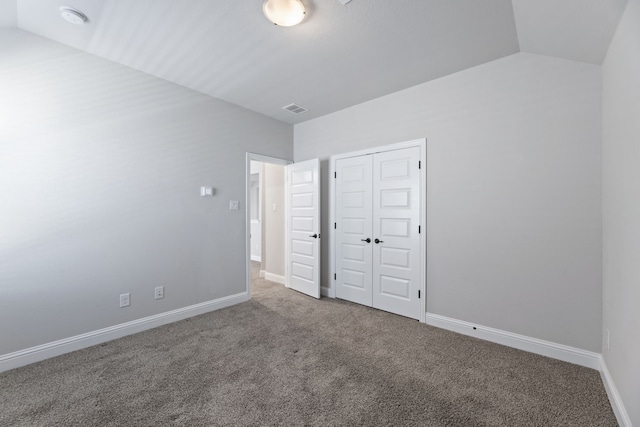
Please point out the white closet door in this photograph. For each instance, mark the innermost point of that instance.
(396, 217)
(353, 228)
(303, 227)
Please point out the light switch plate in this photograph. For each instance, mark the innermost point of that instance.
(206, 191)
(233, 205)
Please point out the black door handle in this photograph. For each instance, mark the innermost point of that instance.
(378, 241)
(315, 236)
(368, 240)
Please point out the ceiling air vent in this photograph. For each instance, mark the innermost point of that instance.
(294, 108)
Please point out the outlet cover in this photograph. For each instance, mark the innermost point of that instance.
(159, 292)
(125, 300)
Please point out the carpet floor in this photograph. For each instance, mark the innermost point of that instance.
(285, 359)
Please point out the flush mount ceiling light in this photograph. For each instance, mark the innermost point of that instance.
(73, 15)
(284, 13)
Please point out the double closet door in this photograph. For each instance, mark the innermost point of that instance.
(377, 212)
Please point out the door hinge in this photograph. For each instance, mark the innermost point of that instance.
(419, 164)
(419, 229)
(335, 174)
(335, 276)
(418, 293)
(335, 225)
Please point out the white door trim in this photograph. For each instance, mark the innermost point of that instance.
(257, 158)
(422, 143)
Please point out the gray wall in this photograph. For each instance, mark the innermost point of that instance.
(621, 213)
(8, 13)
(514, 190)
(100, 171)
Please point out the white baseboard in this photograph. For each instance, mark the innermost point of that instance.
(67, 345)
(614, 397)
(533, 345)
(274, 277)
(256, 258)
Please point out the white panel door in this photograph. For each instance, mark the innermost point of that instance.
(396, 247)
(303, 227)
(353, 250)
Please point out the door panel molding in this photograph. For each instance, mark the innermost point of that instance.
(353, 204)
(397, 201)
(395, 223)
(302, 227)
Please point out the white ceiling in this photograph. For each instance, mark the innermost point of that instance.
(339, 56)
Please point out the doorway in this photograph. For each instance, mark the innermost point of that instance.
(265, 219)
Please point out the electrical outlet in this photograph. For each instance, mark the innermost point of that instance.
(159, 293)
(125, 300)
(608, 339)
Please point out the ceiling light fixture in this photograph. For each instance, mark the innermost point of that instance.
(73, 15)
(285, 13)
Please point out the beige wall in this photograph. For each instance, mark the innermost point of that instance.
(273, 195)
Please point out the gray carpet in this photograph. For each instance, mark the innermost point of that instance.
(286, 359)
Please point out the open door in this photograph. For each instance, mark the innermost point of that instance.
(302, 230)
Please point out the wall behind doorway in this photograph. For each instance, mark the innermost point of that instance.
(273, 257)
(255, 210)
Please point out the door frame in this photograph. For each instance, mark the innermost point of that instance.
(422, 144)
(257, 158)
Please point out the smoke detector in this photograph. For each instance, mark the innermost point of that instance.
(73, 15)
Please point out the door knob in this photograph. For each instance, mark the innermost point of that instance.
(315, 236)
(368, 240)
(378, 241)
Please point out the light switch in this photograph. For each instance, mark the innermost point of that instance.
(206, 191)
(233, 205)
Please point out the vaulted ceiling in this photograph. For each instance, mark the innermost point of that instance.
(340, 55)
